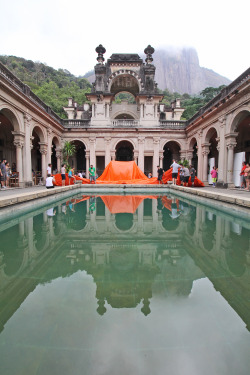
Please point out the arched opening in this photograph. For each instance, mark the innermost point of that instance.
(55, 147)
(124, 116)
(39, 227)
(194, 159)
(36, 156)
(171, 151)
(7, 148)
(243, 138)
(124, 221)
(124, 151)
(209, 229)
(125, 83)
(213, 152)
(124, 106)
(78, 161)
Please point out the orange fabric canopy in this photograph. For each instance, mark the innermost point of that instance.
(125, 172)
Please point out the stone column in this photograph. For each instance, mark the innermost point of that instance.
(92, 141)
(205, 152)
(107, 141)
(87, 164)
(141, 142)
(19, 143)
(189, 157)
(136, 155)
(182, 155)
(49, 136)
(156, 141)
(231, 143)
(112, 153)
(58, 159)
(161, 159)
(199, 154)
(28, 147)
(221, 147)
(43, 151)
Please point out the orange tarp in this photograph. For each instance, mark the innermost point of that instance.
(125, 172)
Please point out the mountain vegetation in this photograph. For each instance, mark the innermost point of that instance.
(54, 87)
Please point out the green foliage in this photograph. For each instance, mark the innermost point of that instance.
(184, 162)
(69, 149)
(192, 104)
(52, 86)
(124, 96)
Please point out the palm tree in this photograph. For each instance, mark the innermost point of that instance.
(69, 149)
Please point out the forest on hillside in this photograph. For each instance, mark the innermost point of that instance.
(54, 87)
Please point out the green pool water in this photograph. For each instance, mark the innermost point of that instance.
(125, 285)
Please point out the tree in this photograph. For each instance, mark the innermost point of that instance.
(69, 149)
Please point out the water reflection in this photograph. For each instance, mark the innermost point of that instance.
(134, 247)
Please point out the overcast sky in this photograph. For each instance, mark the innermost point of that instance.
(64, 34)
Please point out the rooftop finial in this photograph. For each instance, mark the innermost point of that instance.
(100, 50)
(149, 52)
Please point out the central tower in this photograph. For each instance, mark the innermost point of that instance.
(124, 73)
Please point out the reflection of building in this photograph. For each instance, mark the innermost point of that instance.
(139, 128)
(148, 254)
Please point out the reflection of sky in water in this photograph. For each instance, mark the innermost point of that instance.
(191, 327)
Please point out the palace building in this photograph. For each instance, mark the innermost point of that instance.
(139, 128)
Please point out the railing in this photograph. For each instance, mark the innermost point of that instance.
(125, 123)
(168, 124)
(75, 123)
(4, 72)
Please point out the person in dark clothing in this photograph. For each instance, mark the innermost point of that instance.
(160, 172)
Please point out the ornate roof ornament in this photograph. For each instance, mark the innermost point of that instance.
(149, 52)
(100, 50)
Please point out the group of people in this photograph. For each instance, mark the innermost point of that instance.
(245, 173)
(185, 173)
(6, 173)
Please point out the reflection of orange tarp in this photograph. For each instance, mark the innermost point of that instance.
(167, 203)
(123, 204)
(124, 172)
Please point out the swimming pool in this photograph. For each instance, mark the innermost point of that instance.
(125, 284)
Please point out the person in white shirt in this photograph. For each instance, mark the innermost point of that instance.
(175, 167)
(79, 174)
(49, 169)
(50, 182)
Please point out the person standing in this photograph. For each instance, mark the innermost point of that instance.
(8, 174)
(3, 171)
(71, 174)
(182, 174)
(214, 176)
(247, 176)
(92, 174)
(160, 172)
(49, 169)
(186, 175)
(63, 174)
(243, 185)
(192, 174)
(175, 167)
